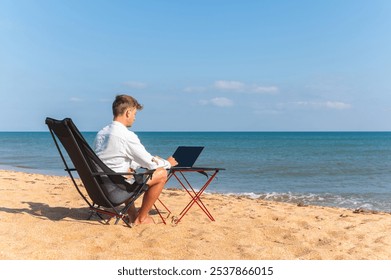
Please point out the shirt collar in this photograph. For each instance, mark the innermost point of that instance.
(119, 124)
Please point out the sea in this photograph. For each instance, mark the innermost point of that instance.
(337, 169)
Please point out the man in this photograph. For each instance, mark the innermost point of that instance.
(121, 150)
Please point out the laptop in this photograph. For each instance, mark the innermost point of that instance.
(186, 156)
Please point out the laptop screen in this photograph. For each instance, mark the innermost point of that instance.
(187, 155)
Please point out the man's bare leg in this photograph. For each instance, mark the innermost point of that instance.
(156, 185)
(132, 212)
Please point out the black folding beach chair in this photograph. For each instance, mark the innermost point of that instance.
(106, 189)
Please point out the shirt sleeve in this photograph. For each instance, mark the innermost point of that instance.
(140, 156)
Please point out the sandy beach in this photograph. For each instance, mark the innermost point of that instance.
(43, 218)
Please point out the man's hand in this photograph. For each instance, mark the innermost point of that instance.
(172, 161)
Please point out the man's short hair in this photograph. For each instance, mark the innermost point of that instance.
(122, 102)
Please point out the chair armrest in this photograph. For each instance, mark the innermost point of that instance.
(70, 169)
(148, 172)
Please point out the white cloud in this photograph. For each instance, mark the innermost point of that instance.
(242, 87)
(194, 89)
(135, 85)
(75, 99)
(218, 101)
(327, 104)
(233, 86)
(337, 105)
(222, 102)
(262, 89)
(229, 85)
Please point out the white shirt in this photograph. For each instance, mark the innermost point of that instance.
(121, 149)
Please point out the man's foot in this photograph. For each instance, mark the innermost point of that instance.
(146, 220)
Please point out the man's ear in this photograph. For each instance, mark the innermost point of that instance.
(127, 112)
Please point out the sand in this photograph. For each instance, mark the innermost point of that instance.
(44, 218)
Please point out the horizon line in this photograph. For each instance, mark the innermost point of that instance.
(211, 131)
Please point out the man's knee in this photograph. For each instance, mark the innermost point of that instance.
(160, 174)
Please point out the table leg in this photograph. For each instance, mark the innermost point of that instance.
(195, 196)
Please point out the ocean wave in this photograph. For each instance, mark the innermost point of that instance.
(349, 201)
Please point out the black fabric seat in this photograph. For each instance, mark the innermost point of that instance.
(106, 189)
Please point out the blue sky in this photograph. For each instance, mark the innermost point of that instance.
(213, 65)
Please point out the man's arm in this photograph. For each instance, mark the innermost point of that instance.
(137, 152)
